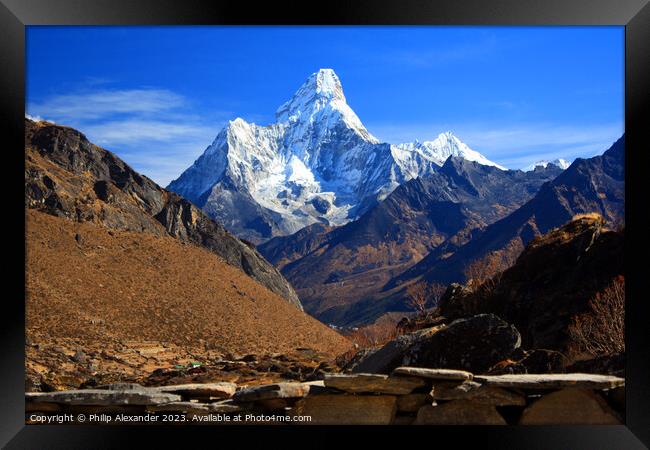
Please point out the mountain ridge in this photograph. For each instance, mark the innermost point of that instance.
(353, 261)
(67, 176)
(588, 185)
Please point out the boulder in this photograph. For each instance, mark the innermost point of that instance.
(391, 355)
(474, 344)
(434, 374)
(142, 396)
(569, 407)
(459, 412)
(347, 409)
(552, 381)
(470, 390)
(373, 383)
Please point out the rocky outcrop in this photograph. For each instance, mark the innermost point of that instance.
(389, 356)
(67, 176)
(552, 281)
(410, 395)
(474, 344)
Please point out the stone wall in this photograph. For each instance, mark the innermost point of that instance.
(408, 396)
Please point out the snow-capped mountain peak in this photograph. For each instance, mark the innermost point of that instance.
(316, 163)
(442, 147)
(559, 162)
(320, 100)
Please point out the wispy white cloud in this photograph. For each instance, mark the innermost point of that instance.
(136, 130)
(516, 146)
(97, 104)
(156, 131)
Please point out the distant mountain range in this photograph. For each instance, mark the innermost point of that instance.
(432, 227)
(589, 185)
(316, 164)
(355, 260)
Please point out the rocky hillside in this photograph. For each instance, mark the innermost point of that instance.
(67, 176)
(126, 280)
(106, 304)
(335, 268)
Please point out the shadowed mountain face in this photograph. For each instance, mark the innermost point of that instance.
(589, 185)
(333, 269)
(552, 281)
(67, 176)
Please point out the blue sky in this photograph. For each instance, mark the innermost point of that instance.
(157, 96)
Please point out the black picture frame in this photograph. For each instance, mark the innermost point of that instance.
(633, 14)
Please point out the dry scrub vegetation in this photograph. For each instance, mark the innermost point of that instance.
(485, 273)
(601, 331)
(422, 295)
(374, 335)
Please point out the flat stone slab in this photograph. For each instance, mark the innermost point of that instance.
(489, 395)
(123, 387)
(318, 387)
(271, 391)
(459, 412)
(552, 381)
(434, 374)
(569, 407)
(375, 383)
(185, 407)
(228, 406)
(142, 396)
(347, 409)
(218, 390)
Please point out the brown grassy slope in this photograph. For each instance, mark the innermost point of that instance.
(135, 286)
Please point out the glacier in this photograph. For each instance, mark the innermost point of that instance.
(316, 163)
